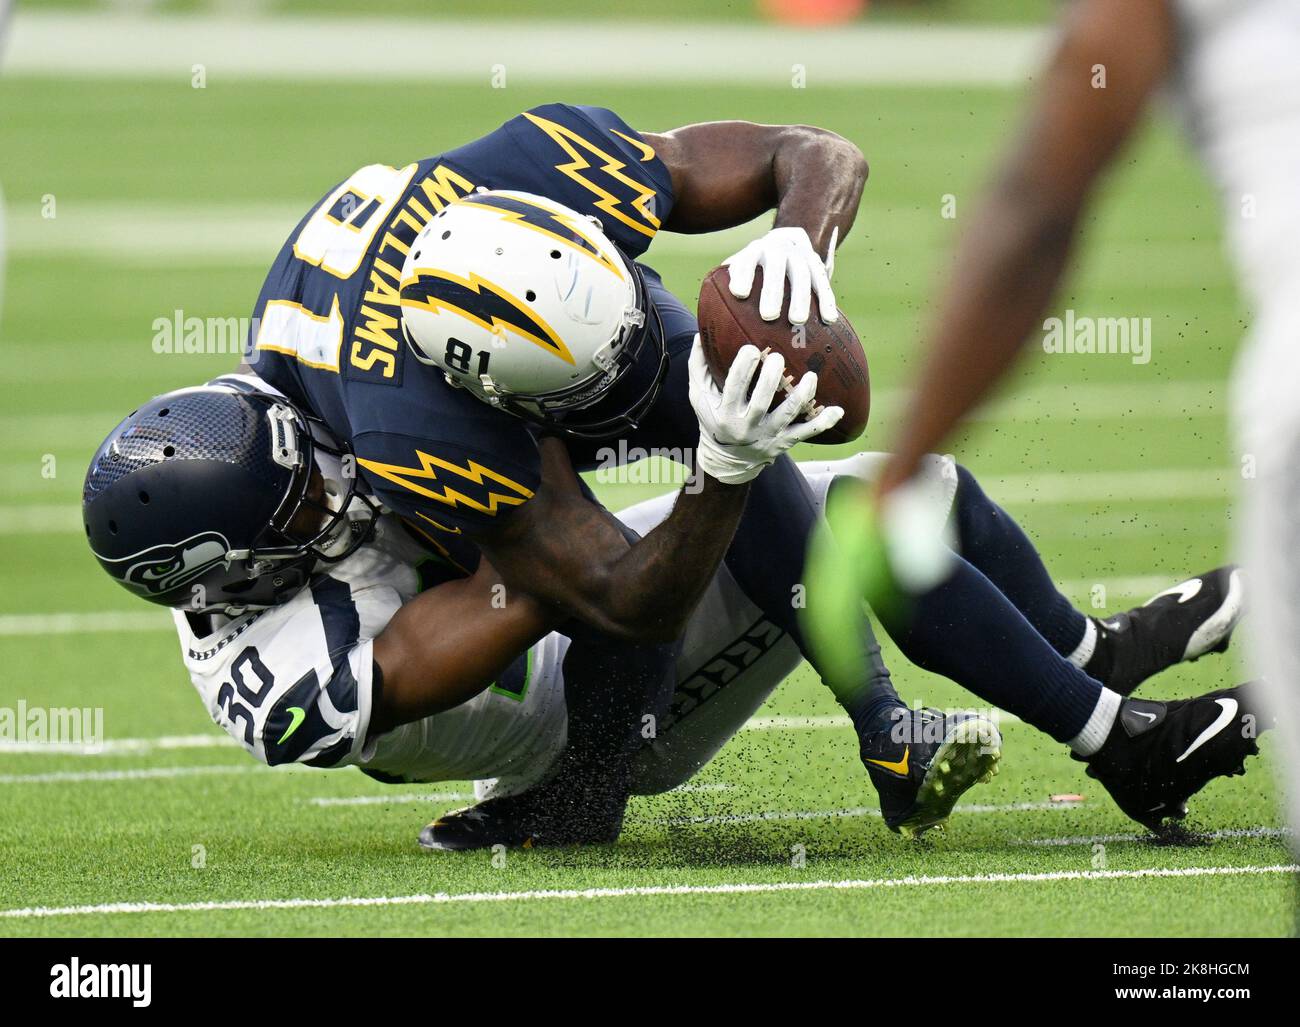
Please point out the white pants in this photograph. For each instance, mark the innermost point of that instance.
(1266, 423)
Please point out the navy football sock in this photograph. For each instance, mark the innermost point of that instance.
(994, 544)
(610, 688)
(968, 631)
(766, 558)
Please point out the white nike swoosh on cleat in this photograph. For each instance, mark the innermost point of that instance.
(1220, 622)
(1185, 591)
(1149, 716)
(1227, 715)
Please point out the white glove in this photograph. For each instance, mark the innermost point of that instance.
(738, 435)
(784, 253)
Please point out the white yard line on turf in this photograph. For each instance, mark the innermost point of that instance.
(781, 723)
(41, 519)
(198, 234)
(229, 234)
(18, 625)
(111, 621)
(330, 801)
(1171, 400)
(649, 891)
(1045, 488)
(132, 774)
(1140, 586)
(1106, 839)
(831, 720)
(137, 746)
(93, 44)
(1110, 486)
(120, 746)
(855, 811)
(169, 743)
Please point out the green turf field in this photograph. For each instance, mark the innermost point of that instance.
(1121, 472)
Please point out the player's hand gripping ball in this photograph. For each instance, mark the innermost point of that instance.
(832, 351)
(745, 425)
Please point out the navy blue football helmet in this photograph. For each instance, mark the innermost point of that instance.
(207, 499)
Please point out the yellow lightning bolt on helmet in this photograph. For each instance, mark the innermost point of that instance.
(531, 308)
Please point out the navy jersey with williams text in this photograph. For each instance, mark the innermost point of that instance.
(328, 322)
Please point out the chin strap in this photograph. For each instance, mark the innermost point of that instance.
(358, 518)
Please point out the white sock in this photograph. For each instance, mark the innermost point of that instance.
(1094, 733)
(1084, 650)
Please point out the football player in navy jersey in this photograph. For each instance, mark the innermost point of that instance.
(419, 317)
(330, 320)
(478, 325)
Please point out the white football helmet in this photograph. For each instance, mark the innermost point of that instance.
(531, 308)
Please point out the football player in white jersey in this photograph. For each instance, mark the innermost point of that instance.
(1232, 69)
(318, 630)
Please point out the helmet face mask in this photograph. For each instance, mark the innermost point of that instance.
(306, 523)
(216, 499)
(530, 308)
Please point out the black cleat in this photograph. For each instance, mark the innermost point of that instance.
(488, 823)
(1195, 617)
(921, 762)
(1159, 754)
(527, 820)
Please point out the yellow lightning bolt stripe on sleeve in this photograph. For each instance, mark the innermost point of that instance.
(647, 151)
(574, 145)
(473, 472)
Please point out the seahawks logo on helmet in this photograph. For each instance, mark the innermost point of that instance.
(160, 569)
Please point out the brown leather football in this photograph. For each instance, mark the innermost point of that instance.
(831, 350)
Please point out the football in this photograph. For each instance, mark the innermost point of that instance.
(831, 350)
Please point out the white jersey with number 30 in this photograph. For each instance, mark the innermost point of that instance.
(294, 683)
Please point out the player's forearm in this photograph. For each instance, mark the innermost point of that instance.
(729, 172)
(450, 643)
(573, 555)
(649, 593)
(1007, 270)
(654, 587)
(1012, 257)
(819, 177)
